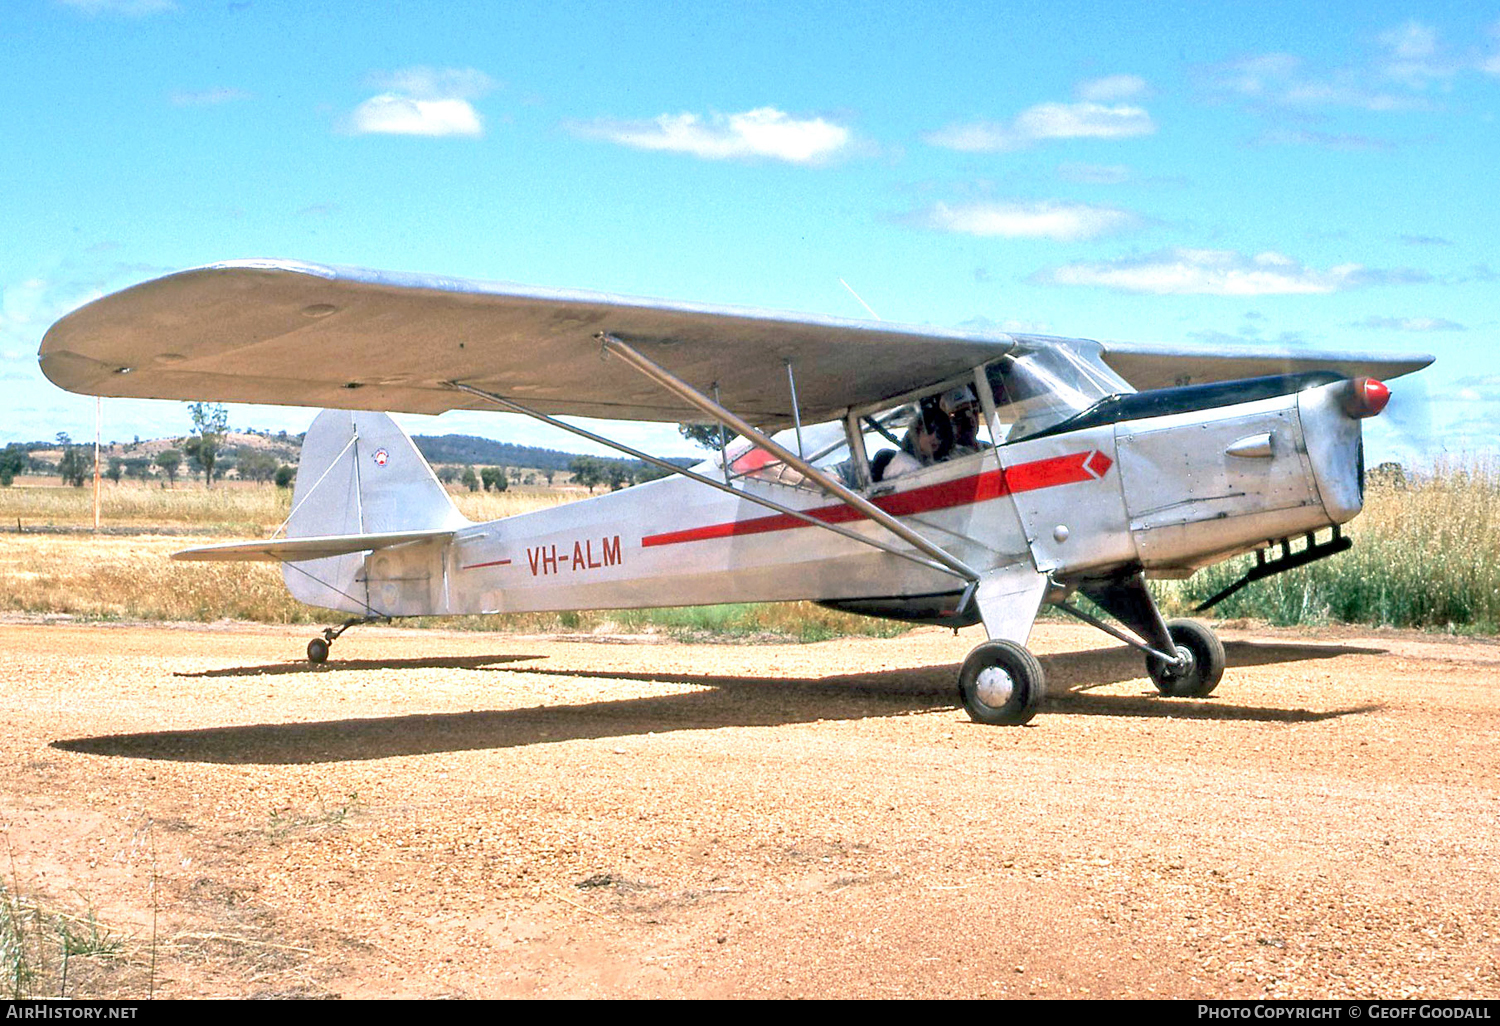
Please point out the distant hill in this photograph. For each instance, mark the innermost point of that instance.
(469, 450)
(239, 446)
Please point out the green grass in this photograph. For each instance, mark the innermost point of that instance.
(1426, 555)
(39, 948)
(738, 621)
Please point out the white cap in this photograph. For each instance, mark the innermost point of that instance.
(958, 398)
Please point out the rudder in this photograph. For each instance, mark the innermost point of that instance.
(360, 473)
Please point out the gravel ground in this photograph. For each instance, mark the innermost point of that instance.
(483, 815)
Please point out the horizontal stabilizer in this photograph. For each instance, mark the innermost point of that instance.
(296, 550)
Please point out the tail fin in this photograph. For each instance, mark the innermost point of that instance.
(360, 474)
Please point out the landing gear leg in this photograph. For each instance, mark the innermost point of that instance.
(317, 648)
(1183, 657)
(1001, 682)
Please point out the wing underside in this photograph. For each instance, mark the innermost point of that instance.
(307, 335)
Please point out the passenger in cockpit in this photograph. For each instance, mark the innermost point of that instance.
(928, 440)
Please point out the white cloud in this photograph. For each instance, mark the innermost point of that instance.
(1112, 88)
(424, 83)
(1281, 80)
(422, 101)
(1406, 64)
(1045, 121)
(1414, 56)
(1491, 65)
(1260, 75)
(208, 97)
(25, 308)
(128, 8)
(762, 132)
(1213, 272)
(1093, 174)
(1010, 326)
(1329, 140)
(1051, 219)
(392, 114)
(1411, 324)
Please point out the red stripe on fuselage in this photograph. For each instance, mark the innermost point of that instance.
(963, 491)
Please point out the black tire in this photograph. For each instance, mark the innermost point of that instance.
(317, 651)
(1009, 699)
(1205, 654)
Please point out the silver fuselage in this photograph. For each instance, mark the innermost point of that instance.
(1165, 494)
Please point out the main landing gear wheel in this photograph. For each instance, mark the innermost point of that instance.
(1204, 655)
(1001, 683)
(317, 651)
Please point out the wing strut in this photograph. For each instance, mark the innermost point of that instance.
(515, 407)
(857, 502)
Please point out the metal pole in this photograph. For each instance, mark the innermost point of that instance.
(723, 441)
(682, 389)
(98, 422)
(791, 380)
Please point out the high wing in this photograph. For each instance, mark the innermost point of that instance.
(306, 335)
(1159, 365)
(281, 332)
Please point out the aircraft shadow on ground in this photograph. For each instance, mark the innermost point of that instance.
(726, 701)
(346, 665)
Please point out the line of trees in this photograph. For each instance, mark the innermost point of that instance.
(591, 472)
(203, 452)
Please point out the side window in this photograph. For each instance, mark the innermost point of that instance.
(825, 446)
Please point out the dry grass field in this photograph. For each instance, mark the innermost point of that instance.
(52, 564)
(1426, 555)
(231, 508)
(55, 565)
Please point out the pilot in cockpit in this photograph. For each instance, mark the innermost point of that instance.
(963, 410)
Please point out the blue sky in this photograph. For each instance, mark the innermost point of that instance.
(1317, 175)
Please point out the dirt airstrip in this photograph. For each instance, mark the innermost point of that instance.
(482, 815)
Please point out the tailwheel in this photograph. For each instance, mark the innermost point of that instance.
(1203, 662)
(317, 648)
(317, 651)
(1001, 683)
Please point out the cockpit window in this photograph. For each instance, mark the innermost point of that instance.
(825, 446)
(1038, 387)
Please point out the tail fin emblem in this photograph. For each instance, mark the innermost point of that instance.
(381, 456)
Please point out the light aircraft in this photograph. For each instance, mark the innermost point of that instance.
(931, 476)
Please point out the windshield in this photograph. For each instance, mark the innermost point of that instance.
(1038, 387)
